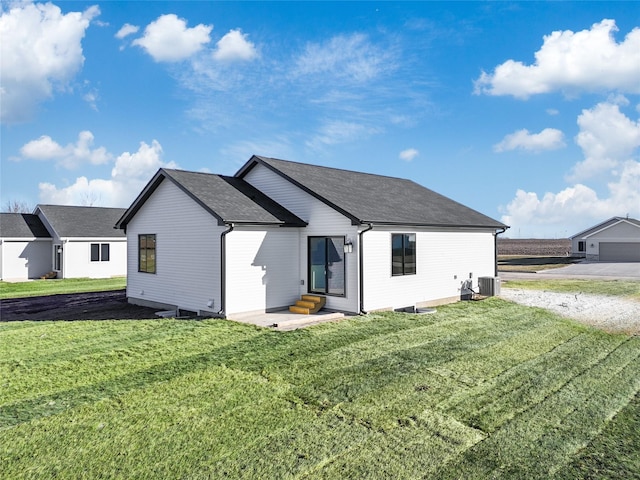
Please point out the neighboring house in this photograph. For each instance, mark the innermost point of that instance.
(73, 242)
(614, 240)
(276, 230)
(85, 242)
(25, 247)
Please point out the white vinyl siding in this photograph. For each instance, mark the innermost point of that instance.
(187, 252)
(76, 259)
(262, 269)
(24, 259)
(322, 221)
(445, 259)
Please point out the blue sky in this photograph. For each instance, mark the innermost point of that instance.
(528, 112)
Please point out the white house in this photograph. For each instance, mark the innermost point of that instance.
(73, 242)
(25, 247)
(614, 240)
(257, 241)
(85, 242)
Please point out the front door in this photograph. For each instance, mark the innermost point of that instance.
(326, 265)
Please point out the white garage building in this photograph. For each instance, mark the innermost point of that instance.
(614, 240)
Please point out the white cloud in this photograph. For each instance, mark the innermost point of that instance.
(91, 98)
(40, 50)
(167, 39)
(71, 156)
(547, 139)
(351, 57)
(339, 131)
(553, 111)
(408, 155)
(126, 30)
(588, 60)
(607, 138)
(235, 46)
(610, 143)
(568, 211)
(129, 175)
(240, 152)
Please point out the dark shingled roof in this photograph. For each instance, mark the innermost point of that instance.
(22, 225)
(229, 199)
(368, 198)
(87, 222)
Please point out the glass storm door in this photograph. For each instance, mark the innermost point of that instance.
(326, 265)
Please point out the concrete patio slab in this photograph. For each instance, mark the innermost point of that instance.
(283, 320)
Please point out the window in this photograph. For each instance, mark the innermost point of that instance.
(147, 253)
(403, 254)
(57, 257)
(581, 246)
(99, 252)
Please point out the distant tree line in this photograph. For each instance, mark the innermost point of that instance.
(16, 206)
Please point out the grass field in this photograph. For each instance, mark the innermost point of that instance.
(52, 287)
(477, 390)
(618, 288)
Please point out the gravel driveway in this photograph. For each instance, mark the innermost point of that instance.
(613, 314)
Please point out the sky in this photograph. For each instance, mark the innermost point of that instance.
(528, 112)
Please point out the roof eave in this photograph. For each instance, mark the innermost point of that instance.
(433, 225)
(151, 187)
(248, 223)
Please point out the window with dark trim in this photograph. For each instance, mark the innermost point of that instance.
(99, 252)
(147, 253)
(403, 254)
(581, 247)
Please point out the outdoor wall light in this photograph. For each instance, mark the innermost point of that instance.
(592, 245)
(348, 247)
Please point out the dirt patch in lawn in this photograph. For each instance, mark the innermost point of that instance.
(77, 306)
(612, 314)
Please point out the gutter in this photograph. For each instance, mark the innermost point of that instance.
(223, 270)
(361, 270)
(495, 248)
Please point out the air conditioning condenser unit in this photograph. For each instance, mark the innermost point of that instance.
(489, 286)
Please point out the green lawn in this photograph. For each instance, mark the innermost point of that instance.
(51, 287)
(477, 390)
(621, 288)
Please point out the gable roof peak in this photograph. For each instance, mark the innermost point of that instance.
(228, 199)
